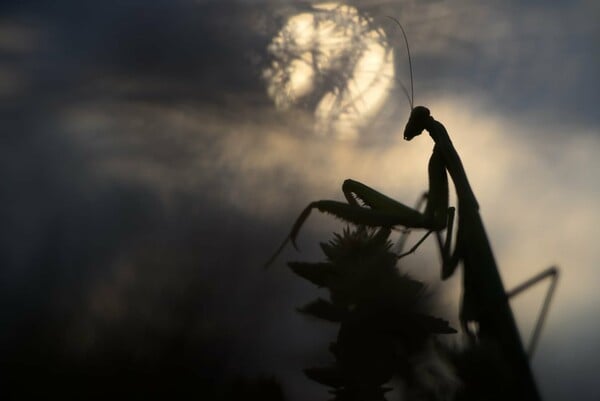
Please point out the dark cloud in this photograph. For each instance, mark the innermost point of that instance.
(103, 283)
(167, 51)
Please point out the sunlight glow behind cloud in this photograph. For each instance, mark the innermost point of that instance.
(333, 60)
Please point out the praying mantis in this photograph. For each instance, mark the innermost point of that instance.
(485, 313)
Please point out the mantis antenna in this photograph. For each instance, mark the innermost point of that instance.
(412, 91)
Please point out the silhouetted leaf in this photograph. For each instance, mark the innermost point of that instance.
(328, 376)
(324, 310)
(261, 388)
(434, 324)
(321, 274)
(379, 311)
(330, 250)
(380, 238)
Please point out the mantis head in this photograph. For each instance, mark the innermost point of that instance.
(419, 117)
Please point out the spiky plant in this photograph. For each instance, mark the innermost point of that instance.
(382, 324)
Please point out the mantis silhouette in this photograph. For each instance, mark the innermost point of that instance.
(485, 313)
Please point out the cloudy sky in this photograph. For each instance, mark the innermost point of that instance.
(153, 155)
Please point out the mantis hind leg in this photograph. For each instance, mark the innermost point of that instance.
(473, 317)
(552, 273)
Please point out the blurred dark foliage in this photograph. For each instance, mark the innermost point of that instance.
(116, 374)
(262, 388)
(40, 371)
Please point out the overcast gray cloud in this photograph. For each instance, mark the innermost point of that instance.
(148, 175)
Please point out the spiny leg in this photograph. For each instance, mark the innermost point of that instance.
(389, 217)
(361, 216)
(435, 207)
(361, 195)
(291, 237)
(356, 193)
(381, 210)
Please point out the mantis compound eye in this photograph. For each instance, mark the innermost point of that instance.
(417, 122)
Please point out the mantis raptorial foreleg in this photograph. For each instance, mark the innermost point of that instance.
(354, 213)
(368, 207)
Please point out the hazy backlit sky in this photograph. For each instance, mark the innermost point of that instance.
(154, 154)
